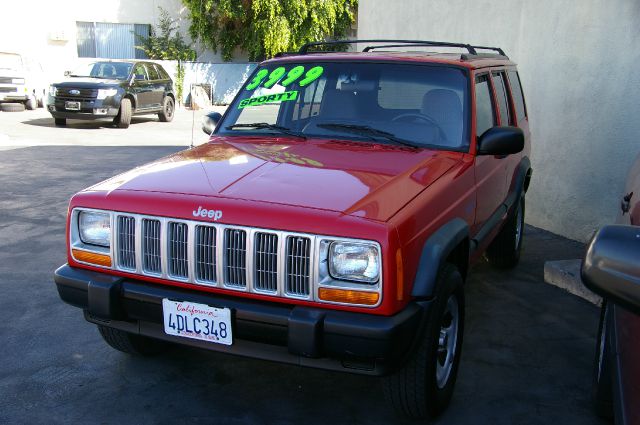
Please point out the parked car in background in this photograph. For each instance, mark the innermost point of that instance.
(113, 89)
(330, 221)
(22, 81)
(611, 268)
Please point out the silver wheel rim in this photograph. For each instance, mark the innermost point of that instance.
(169, 108)
(447, 342)
(518, 226)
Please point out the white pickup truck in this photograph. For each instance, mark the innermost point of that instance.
(22, 82)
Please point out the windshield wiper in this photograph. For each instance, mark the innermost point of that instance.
(267, 126)
(368, 131)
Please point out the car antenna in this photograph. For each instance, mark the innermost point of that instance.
(193, 111)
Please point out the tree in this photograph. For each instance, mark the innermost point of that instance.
(166, 43)
(263, 28)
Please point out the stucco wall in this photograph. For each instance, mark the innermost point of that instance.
(31, 26)
(578, 64)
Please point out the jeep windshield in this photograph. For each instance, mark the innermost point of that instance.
(10, 61)
(416, 105)
(104, 70)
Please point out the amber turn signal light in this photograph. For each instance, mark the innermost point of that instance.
(92, 257)
(348, 296)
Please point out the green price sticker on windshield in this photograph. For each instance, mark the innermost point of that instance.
(269, 79)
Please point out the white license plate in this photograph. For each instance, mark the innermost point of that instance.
(72, 106)
(197, 321)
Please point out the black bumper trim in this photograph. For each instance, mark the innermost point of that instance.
(315, 337)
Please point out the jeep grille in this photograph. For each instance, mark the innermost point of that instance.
(233, 257)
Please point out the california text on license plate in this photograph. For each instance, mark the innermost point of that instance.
(72, 106)
(197, 321)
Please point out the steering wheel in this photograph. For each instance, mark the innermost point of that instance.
(422, 117)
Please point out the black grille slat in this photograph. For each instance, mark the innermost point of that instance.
(127, 242)
(206, 254)
(266, 262)
(83, 93)
(151, 260)
(178, 257)
(235, 257)
(298, 265)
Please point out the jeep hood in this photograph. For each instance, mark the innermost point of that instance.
(360, 179)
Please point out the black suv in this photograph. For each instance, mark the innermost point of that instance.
(116, 90)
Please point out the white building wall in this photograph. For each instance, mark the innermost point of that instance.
(46, 30)
(578, 64)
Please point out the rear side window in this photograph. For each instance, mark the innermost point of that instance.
(518, 96)
(162, 72)
(503, 99)
(485, 116)
(153, 73)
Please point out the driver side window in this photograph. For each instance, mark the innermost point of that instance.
(139, 70)
(485, 115)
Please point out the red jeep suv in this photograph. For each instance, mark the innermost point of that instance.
(329, 222)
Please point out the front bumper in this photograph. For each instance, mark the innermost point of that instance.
(90, 109)
(314, 337)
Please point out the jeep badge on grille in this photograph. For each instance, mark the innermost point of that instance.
(202, 212)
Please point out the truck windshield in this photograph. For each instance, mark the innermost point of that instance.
(106, 70)
(416, 105)
(10, 61)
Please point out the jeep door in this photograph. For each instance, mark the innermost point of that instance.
(141, 87)
(489, 170)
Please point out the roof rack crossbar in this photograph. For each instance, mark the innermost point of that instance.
(304, 49)
(495, 49)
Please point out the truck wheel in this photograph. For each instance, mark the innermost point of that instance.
(424, 386)
(31, 103)
(130, 343)
(602, 389)
(124, 115)
(60, 122)
(11, 107)
(504, 251)
(168, 108)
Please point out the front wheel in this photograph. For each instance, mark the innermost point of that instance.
(504, 251)
(424, 386)
(123, 119)
(168, 109)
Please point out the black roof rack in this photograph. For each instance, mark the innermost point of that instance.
(399, 43)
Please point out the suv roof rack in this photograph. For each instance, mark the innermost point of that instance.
(399, 43)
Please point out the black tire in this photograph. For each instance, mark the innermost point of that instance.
(602, 388)
(11, 107)
(123, 119)
(504, 251)
(168, 109)
(131, 344)
(31, 103)
(60, 122)
(420, 389)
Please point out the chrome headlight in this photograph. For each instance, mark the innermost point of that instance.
(95, 228)
(104, 93)
(53, 91)
(354, 261)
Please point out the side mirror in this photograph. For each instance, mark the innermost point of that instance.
(210, 121)
(138, 77)
(501, 141)
(611, 267)
(67, 73)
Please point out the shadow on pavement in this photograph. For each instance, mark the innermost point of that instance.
(85, 125)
